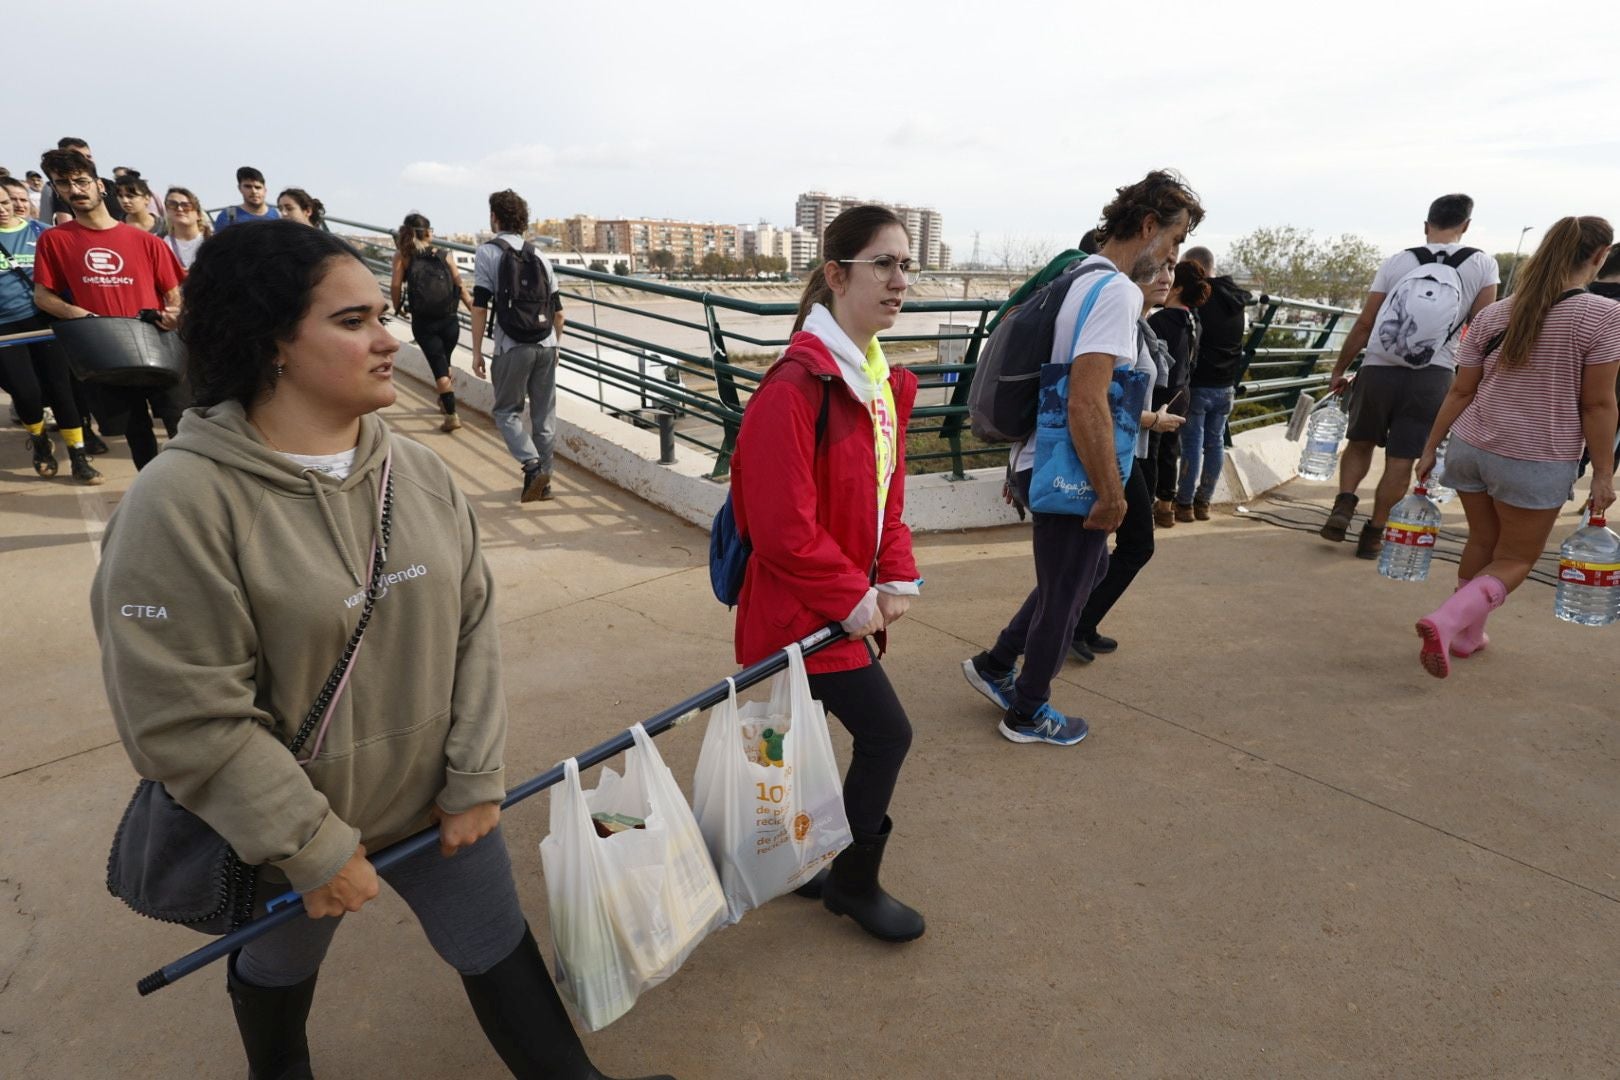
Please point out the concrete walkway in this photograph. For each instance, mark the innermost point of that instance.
(1284, 851)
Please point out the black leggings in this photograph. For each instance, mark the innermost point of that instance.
(37, 375)
(1133, 547)
(865, 703)
(437, 338)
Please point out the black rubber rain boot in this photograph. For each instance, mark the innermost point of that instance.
(852, 889)
(812, 889)
(271, 1020)
(524, 1019)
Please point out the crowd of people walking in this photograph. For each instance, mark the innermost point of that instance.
(289, 361)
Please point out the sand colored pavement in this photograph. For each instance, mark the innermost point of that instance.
(1284, 850)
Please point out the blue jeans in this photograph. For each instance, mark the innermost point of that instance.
(1203, 443)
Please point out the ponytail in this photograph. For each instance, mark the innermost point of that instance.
(1569, 243)
(816, 291)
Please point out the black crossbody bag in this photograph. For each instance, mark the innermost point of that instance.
(166, 862)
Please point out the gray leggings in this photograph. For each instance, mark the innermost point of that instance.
(467, 904)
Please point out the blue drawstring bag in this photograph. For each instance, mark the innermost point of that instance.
(728, 555)
(1059, 484)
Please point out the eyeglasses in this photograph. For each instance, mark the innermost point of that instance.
(179, 206)
(884, 266)
(77, 183)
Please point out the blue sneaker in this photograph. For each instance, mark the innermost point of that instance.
(998, 688)
(1047, 726)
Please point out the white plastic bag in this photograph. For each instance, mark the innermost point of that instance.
(627, 909)
(770, 827)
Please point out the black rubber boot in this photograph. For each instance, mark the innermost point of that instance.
(852, 889)
(271, 1020)
(524, 1019)
(812, 889)
(44, 454)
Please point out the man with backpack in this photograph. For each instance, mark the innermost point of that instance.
(512, 277)
(254, 205)
(1086, 320)
(1416, 308)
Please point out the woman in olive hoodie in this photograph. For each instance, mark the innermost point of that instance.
(232, 575)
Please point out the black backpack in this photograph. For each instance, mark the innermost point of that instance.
(431, 287)
(523, 294)
(1007, 381)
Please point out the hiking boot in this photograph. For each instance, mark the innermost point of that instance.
(1184, 512)
(1081, 651)
(1338, 522)
(93, 443)
(536, 484)
(452, 422)
(1201, 510)
(1047, 726)
(982, 675)
(83, 471)
(1164, 514)
(44, 454)
(1371, 541)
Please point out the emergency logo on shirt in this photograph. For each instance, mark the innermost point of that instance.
(100, 260)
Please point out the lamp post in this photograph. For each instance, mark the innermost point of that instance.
(1507, 289)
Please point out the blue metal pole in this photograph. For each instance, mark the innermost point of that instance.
(289, 906)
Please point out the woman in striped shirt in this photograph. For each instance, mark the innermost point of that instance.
(1535, 380)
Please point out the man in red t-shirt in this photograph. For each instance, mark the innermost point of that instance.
(95, 265)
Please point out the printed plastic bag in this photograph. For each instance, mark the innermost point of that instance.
(767, 793)
(626, 909)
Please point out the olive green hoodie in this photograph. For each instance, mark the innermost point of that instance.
(230, 581)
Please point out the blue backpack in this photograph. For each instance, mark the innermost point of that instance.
(729, 549)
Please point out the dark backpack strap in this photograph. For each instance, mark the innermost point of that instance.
(1458, 257)
(1494, 342)
(826, 404)
(1423, 255)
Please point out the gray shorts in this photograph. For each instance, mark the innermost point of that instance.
(1395, 407)
(1529, 485)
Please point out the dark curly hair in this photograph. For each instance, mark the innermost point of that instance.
(1161, 194)
(244, 298)
(1193, 283)
(511, 213)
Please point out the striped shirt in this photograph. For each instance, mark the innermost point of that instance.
(1533, 413)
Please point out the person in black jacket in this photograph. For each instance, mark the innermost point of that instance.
(1177, 326)
(1217, 370)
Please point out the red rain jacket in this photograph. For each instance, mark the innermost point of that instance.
(811, 512)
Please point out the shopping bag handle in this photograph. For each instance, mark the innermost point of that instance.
(289, 905)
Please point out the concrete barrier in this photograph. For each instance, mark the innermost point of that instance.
(627, 457)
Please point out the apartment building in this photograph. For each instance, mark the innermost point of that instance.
(814, 211)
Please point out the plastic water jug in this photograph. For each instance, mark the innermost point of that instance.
(1438, 491)
(1409, 537)
(1324, 433)
(1589, 575)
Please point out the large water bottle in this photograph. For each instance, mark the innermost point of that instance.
(1589, 575)
(1409, 537)
(1438, 491)
(1323, 434)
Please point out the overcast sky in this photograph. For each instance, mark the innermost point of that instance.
(1013, 118)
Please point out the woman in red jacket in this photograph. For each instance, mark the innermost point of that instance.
(818, 485)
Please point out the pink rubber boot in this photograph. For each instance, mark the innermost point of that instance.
(1467, 606)
(1471, 638)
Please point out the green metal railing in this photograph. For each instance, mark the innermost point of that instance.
(688, 363)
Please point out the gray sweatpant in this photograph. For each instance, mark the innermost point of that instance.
(526, 372)
(467, 904)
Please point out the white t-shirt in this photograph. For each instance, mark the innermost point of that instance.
(1477, 272)
(338, 466)
(1110, 328)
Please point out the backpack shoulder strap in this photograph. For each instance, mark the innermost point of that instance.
(1423, 255)
(1460, 256)
(826, 405)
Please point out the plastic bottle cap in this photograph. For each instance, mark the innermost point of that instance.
(1596, 518)
(1421, 489)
